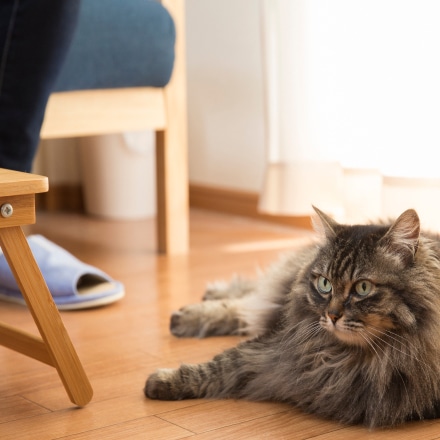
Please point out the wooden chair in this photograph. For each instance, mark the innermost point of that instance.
(95, 112)
(54, 347)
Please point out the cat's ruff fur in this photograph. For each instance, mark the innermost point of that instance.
(348, 328)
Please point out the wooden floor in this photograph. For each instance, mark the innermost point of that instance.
(121, 344)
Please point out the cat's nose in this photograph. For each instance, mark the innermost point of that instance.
(334, 315)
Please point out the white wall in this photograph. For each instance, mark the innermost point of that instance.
(225, 93)
(225, 101)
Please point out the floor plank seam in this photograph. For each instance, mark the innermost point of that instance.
(36, 403)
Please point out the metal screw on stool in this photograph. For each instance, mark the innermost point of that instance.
(6, 210)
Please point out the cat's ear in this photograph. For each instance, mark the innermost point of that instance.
(323, 224)
(402, 238)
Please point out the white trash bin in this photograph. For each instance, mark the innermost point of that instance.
(118, 172)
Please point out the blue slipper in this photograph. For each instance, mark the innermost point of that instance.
(72, 283)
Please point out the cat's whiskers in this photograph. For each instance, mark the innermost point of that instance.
(371, 343)
(290, 343)
(404, 342)
(374, 344)
(370, 338)
(401, 340)
(375, 334)
(394, 347)
(288, 334)
(301, 336)
(299, 333)
(395, 336)
(308, 332)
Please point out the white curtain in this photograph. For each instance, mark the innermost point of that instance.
(353, 107)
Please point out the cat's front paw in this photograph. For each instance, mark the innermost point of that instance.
(159, 386)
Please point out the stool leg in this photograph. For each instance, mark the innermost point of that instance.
(45, 314)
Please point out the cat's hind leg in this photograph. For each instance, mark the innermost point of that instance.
(237, 307)
(237, 287)
(218, 314)
(250, 315)
(208, 318)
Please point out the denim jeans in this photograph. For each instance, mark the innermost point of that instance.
(34, 38)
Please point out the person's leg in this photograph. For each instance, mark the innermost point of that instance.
(34, 38)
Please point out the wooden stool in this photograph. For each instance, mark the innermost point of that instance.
(54, 347)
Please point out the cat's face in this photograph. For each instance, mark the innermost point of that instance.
(356, 278)
(351, 298)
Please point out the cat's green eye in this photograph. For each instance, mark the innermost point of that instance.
(364, 287)
(324, 285)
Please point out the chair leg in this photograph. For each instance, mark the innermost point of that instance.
(47, 318)
(172, 150)
(172, 194)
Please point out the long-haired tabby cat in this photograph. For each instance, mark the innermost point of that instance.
(348, 328)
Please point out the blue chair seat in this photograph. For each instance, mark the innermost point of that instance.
(120, 43)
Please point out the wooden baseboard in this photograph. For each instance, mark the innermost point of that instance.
(236, 202)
